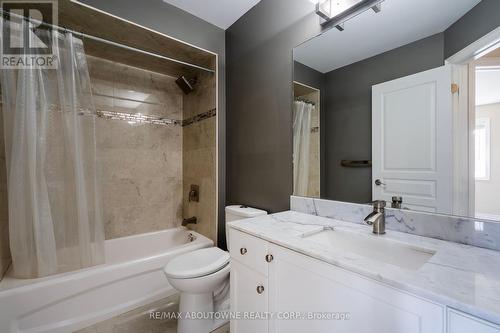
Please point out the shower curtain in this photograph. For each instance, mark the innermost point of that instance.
(55, 222)
(301, 143)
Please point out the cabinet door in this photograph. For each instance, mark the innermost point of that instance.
(459, 322)
(247, 299)
(305, 286)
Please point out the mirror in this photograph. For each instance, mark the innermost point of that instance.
(382, 112)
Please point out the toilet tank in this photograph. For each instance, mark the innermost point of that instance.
(240, 212)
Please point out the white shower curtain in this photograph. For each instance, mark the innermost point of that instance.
(55, 222)
(301, 145)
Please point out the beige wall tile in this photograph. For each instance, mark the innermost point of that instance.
(199, 157)
(140, 164)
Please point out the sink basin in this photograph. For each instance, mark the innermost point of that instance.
(377, 248)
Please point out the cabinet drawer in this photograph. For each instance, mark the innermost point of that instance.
(249, 250)
(459, 322)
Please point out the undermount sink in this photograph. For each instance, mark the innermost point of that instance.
(378, 248)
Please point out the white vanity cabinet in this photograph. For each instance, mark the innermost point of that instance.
(249, 281)
(249, 295)
(304, 294)
(459, 322)
(308, 286)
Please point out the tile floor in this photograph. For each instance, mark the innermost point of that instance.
(138, 320)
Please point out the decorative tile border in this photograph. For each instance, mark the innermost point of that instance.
(199, 117)
(138, 118)
(464, 230)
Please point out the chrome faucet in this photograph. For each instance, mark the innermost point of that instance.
(377, 217)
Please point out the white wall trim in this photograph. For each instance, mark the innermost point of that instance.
(476, 49)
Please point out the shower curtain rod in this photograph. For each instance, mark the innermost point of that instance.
(107, 41)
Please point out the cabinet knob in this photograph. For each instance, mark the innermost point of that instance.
(243, 251)
(260, 289)
(269, 257)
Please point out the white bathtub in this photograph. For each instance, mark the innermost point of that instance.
(132, 276)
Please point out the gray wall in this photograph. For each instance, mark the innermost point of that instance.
(308, 75)
(480, 20)
(259, 90)
(348, 110)
(174, 22)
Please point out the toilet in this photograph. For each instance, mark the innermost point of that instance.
(202, 278)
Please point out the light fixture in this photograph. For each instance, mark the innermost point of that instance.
(337, 12)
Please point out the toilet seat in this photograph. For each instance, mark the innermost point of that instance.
(197, 263)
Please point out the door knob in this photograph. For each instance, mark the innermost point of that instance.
(378, 182)
(260, 289)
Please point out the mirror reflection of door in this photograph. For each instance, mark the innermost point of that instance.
(399, 117)
(306, 147)
(412, 139)
(487, 135)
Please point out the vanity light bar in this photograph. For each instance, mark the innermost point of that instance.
(337, 12)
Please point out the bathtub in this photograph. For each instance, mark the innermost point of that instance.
(131, 276)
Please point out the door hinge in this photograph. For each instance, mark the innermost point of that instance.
(454, 88)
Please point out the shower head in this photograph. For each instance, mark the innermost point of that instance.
(186, 85)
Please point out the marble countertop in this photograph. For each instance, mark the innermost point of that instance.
(463, 277)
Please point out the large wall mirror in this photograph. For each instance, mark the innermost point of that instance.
(380, 113)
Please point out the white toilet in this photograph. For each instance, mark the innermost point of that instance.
(202, 277)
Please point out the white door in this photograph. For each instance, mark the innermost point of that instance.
(412, 141)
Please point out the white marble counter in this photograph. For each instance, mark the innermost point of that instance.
(460, 276)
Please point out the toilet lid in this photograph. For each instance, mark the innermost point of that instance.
(197, 263)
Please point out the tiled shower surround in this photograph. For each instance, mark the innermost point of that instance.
(144, 163)
(199, 155)
(147, 161)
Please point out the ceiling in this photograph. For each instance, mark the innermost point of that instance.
(400, 22)
(222, 13)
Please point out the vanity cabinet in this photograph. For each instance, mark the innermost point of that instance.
(459, 322)
(343, 301)
(249, 295)
(249, 282)
(303, 294)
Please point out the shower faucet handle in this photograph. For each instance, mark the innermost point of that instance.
(194, 193)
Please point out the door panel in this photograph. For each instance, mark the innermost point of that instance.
(411, 140)
(245, 299)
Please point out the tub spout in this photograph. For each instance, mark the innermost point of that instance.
(191, 220)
